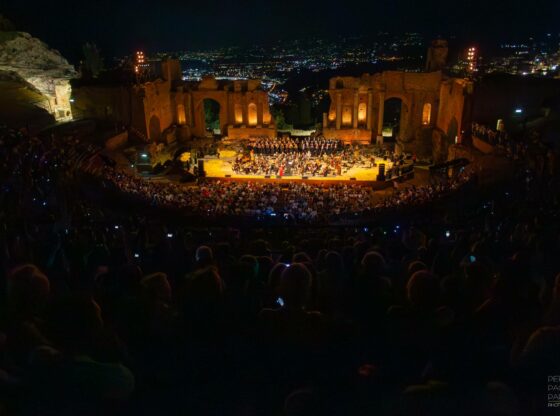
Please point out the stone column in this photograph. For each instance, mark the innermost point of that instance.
(338, 110)
(260, 112)
(355, 112)
(380, 114)
(379, 138)
(324, 120)
(245, 111)
(369, 112)
(231, 110)
(189, 110)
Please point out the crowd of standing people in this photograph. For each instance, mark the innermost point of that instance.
(315, 146)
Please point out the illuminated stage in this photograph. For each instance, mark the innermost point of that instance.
(222, 168)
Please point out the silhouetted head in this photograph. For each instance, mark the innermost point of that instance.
(205, 284)
(301, 257)
(416, 266)
(27, 290)
(295, 285)
(156, 287)
(204, 255)
(250, 265)
(373, 264)
(423, 290)
(275, 275)
(334, 262)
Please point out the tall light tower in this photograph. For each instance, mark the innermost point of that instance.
(139, 64)
(472, 59)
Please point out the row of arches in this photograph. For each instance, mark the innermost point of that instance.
(211, 117)
(252, 114)
(395, 116)
(212, 110)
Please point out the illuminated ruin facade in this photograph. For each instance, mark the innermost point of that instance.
(432, 108)
(149, 108)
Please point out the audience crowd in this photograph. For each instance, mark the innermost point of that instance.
(527, 148)
(110, 311)
(39, 165)
(489, 135)
(299, 201)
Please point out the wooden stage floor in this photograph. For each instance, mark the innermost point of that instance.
(222, 168)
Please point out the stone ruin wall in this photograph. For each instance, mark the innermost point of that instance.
(44, 69)
(357, 108)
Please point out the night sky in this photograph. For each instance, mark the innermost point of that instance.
(119, 27)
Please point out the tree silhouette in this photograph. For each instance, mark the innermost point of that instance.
(211, 114)
(280, 120)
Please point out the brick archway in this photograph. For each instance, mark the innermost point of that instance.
(199, 97)
(406, 105)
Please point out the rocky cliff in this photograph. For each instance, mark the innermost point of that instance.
(26, 58)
